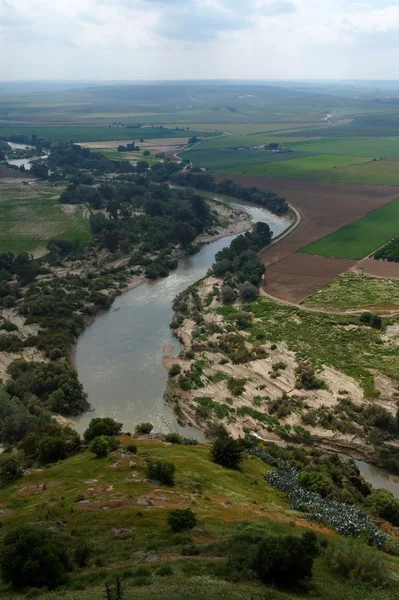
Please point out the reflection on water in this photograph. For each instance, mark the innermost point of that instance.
(119, 357)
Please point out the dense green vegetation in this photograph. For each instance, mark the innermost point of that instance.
(360, 238)
(205, 181)
(389, 252)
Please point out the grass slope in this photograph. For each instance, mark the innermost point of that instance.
(360, 238)
(353, 291)
(376, 147)
(30, 216)
(119, 484)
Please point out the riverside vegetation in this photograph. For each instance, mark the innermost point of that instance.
(240, 535)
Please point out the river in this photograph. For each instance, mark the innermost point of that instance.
(119, 356)
(26, 162)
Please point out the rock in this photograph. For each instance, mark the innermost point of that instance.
(91, 481)
(84, 502)
(142, 502)
(123, 531)
(109, 488)
(152, 558)
(192, 483)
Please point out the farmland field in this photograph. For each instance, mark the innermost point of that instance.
(387, 147)
(31, 216)
(319, 167)
(95, 133)
(218, 159)
(360, 238)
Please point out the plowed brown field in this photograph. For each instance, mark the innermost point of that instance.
(324, 207)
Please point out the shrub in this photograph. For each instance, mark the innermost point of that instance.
(228, 294)
(11, 467)
(115, 592)
(248, 292)
(182, 520)
(356, 562)
(131, 448)
(236, 385)
(102, 426)
(161, 471)
(100, 446)
(383, 504)
(165, 570)
(283, 560)
(366, 317)
(175, 370)
(82, 554)
(173, 438)
(376, 322)
(33, 557)
(306, 378)
(52, 449)
(227, 452)
(144, 428)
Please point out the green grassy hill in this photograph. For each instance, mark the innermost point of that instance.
(110, 504)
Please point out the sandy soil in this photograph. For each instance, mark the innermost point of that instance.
(377, 268)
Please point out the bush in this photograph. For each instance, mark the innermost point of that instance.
(248, 292)
(175, 370)
(182, 520)
(102, 426)
(228, 294)
(376, 322)
(52, 449)
(284, 561)
(82, 554)
(131, 448)
(165, 570)
(161, 471)
(356, 562)
(32, 557)
(100, 446)
(11, 467)
(383, 504)
(173, 438)
(227, 452)
(306, 378)
(236, 385)
(144, 428)
(366, 317)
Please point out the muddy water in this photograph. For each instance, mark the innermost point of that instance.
(119, 357)
(26, 162)
(379, 478)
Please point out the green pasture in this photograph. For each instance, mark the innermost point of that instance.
(217, 159)
(360, 238)
(30, 216)
(319, 167)
(377, 147)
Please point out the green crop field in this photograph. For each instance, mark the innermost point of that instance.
(316, 167)
(387, 147)
(360, 238)
(31, 216)
(221, 159)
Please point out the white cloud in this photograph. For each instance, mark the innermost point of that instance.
(145, 39)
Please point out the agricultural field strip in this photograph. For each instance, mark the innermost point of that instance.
(360, 238)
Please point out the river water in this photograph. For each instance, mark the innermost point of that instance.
(26, 162)
(119, 357)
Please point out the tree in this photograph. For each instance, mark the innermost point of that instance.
(175, 370)
(33, 557)
(161, 471)
(283, 561)
(227, 452)
(11, 467)
(376, 322)
(52, 449)
(144, 428)
(100, 446)
(102, 426)
(228, 294)
(248, 292)
(182, 520)
(383, 504)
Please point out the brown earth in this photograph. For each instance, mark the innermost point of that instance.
(324, 208)
(299, 275)
(6, 173)
(377, 268)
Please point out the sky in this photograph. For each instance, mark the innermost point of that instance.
(199, 39)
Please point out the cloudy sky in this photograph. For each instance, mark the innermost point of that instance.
(193, 39)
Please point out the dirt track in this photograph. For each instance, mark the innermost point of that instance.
(324, 207)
